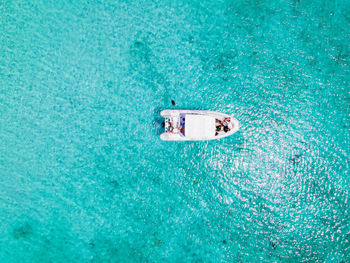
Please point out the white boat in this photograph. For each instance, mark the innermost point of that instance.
(197, 125)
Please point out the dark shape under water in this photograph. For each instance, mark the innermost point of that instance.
(195, 181)
(173, 102)
(296, 158)
(163, 124)
(114, 183)
(273, 244)
(158, 242)
(22, 231)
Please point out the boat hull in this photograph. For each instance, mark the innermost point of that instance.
(179, 137)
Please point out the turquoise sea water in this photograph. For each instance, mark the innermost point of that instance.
(84, 176)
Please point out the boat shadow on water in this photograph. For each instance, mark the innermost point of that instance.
(158, 121)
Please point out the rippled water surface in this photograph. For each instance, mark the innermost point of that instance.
(84, 176)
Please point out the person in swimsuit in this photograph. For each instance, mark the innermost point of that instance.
(218, 125)
(182, 129)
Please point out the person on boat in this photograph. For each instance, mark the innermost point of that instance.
(219, 128)
(226, 121)
(170, 129)
(222, 125)
(182, 129)
(218, 125)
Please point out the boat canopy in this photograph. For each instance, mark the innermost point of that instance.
(199, 126)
